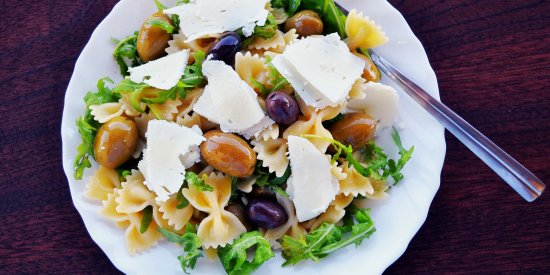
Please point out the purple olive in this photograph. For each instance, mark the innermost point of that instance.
(282, 108)
(265, 213)
(225, 48)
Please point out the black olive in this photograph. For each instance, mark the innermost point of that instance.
(225, 48)
(238, 209)
(261, 192)
(265, 213)
(282, 108)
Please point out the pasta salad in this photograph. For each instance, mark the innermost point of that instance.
(242, 127)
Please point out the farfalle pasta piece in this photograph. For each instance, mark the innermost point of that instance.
(251, 67)
(291, 227)
(276, 43)
(167, 110)
(127, 105)
(337, 171)
(272, 153)
(380, 187)
(363, 32)
(106, 111)
(178, 43)
(135, 241)
(245, 185)
(189, 101)
(290, 36)
(271, 132)
(142, 122)
(335, 212)
(220, 227)
(102, 183)
(311, 123)
(109, 209)
(196, 120)
(358, 89)
(176, 218)
(134, 196)
(357, 184)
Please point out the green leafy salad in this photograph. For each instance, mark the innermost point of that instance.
(240, 128)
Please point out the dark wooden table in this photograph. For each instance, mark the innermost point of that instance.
(492, 59)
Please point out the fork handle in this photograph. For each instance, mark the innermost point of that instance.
(512, 172)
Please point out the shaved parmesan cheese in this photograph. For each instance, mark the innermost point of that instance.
(229, 101)
(163, 73)
(380, 102)
(171, 149)
(208, 18)
(311, 185)
(320, 68)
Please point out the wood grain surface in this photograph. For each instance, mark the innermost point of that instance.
(492, 59)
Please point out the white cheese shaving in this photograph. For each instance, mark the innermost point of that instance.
(311, 185)
(171, 149)
(163, 73)
(320, 68)
(229, 101)
(207, 18)
(380, 102)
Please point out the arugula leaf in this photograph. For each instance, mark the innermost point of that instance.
(277, 80)
(234, 256)
(291, 6)
(167, 27)
(146, 218)
(270, 180)
(160, 6)
(333, 18)
(404, 157)
(135, 89)
(87, 126)
(234, 190)
(197, 182)
(182, 201)
(266, 31)
(327, 238)
(190, 243)
(193, 76)
(126, 49)
(378, 165)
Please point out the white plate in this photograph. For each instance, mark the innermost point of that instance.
(397, 219)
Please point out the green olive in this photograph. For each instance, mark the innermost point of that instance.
(306, 22)
(115, 142)
(228, 153)
(355, 129)
(370, 72)
(152, 40)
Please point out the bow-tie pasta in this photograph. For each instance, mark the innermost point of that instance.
(311, 123)
(272, 153)
(252, 68)
(220, 227)
(178, 43)
(357, 184)
(106, 111)
(176, 217)
(335, 212)
(102, 183)
(363, 32)
(291, 227)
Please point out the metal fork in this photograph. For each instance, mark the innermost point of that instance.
(512, 172)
